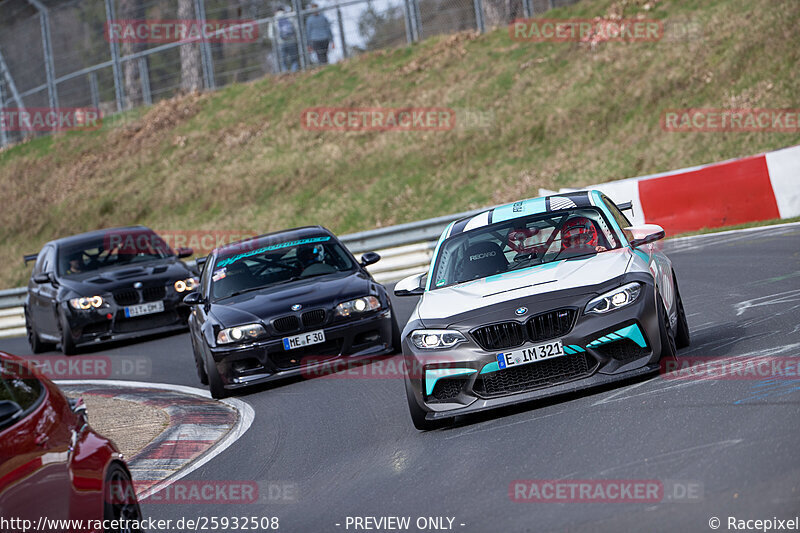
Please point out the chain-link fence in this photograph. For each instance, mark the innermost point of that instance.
(113, 55)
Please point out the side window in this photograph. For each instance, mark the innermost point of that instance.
(24, 391)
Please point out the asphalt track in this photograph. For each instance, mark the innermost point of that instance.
(350, 449)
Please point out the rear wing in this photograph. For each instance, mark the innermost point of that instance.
(30, 257)
(626, 206)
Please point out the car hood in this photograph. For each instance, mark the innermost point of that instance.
(321, 292)
(152, 273)
(541, 279)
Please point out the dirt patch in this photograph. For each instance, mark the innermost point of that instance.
(131, 425)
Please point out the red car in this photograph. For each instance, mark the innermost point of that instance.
(52, 464)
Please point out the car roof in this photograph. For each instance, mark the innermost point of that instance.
(80, 237)
(252, 243)
(524, 208)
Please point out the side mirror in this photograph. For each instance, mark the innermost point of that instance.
(194, 298)
(184, 252)
(644, 234)
(79, 408)
(369, 258)
(42, 277)
(410, 286)
(9, 411)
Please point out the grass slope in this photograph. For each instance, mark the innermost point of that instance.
(562, 114)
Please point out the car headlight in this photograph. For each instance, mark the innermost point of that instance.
(625, 295)
(359, 305)
(247, 332)
(433, 339)
(184, 285)
(86, 302)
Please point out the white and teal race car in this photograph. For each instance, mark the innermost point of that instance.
(537, 298)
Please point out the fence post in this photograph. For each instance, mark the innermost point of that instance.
(345, 55)
(5, 73)
(302, 45)
(93, 91)
(417, 19)
(144, 77)
(115, 68)
(3, 136)
(527, 8)
(409, 22)
(481, 26)
(206, 58)
(549, 4)
(47, 49)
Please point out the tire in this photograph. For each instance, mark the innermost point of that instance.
(36, 344)
(682, 336)
(119, 498)
(67, 342)
(198, 363)
(215, 386)
(397, 342)
(418, 414)
(668, 350)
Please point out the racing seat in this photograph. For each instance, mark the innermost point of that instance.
(483, 259)
(237, 277)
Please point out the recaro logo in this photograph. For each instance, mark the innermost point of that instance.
(482, 256)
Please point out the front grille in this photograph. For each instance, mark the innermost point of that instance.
(140, 323)
(287, 359)
(126, 297)
(538, 328)
(500, 336)
(285, 324)
(313, 318)
(550, 325)
(622, 350)
(534, 375)
(151, 294)
(446, 389)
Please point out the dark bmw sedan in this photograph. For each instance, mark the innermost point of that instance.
(105, 285)
(283, 303)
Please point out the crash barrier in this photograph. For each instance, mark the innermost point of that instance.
(761, 187)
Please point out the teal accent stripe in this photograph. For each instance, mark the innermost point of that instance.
(432, 376)
(568, 350)
(491, 367)
(576, 348)
(631, 332)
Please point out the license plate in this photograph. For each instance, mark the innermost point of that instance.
(533, 354)
(144, 309)
(304, 339)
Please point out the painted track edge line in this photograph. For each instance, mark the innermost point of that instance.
(243, 423)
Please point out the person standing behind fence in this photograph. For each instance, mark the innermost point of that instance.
(318, 31)
(283, 30)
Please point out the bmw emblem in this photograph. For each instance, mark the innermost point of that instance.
(137, 285)
(297, 307)
(521, 311)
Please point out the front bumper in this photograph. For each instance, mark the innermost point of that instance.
(599, 349)
(109, 323)
(265, 361)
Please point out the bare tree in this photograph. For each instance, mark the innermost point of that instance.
(190, 53)
(132, 10)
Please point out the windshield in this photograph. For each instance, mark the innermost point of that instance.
(267, 263)
(522, 243)
(111, 250)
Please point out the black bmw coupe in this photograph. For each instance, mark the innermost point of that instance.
(280, 304)
(105, 285)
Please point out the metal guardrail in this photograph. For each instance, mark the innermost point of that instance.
(405, 249)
